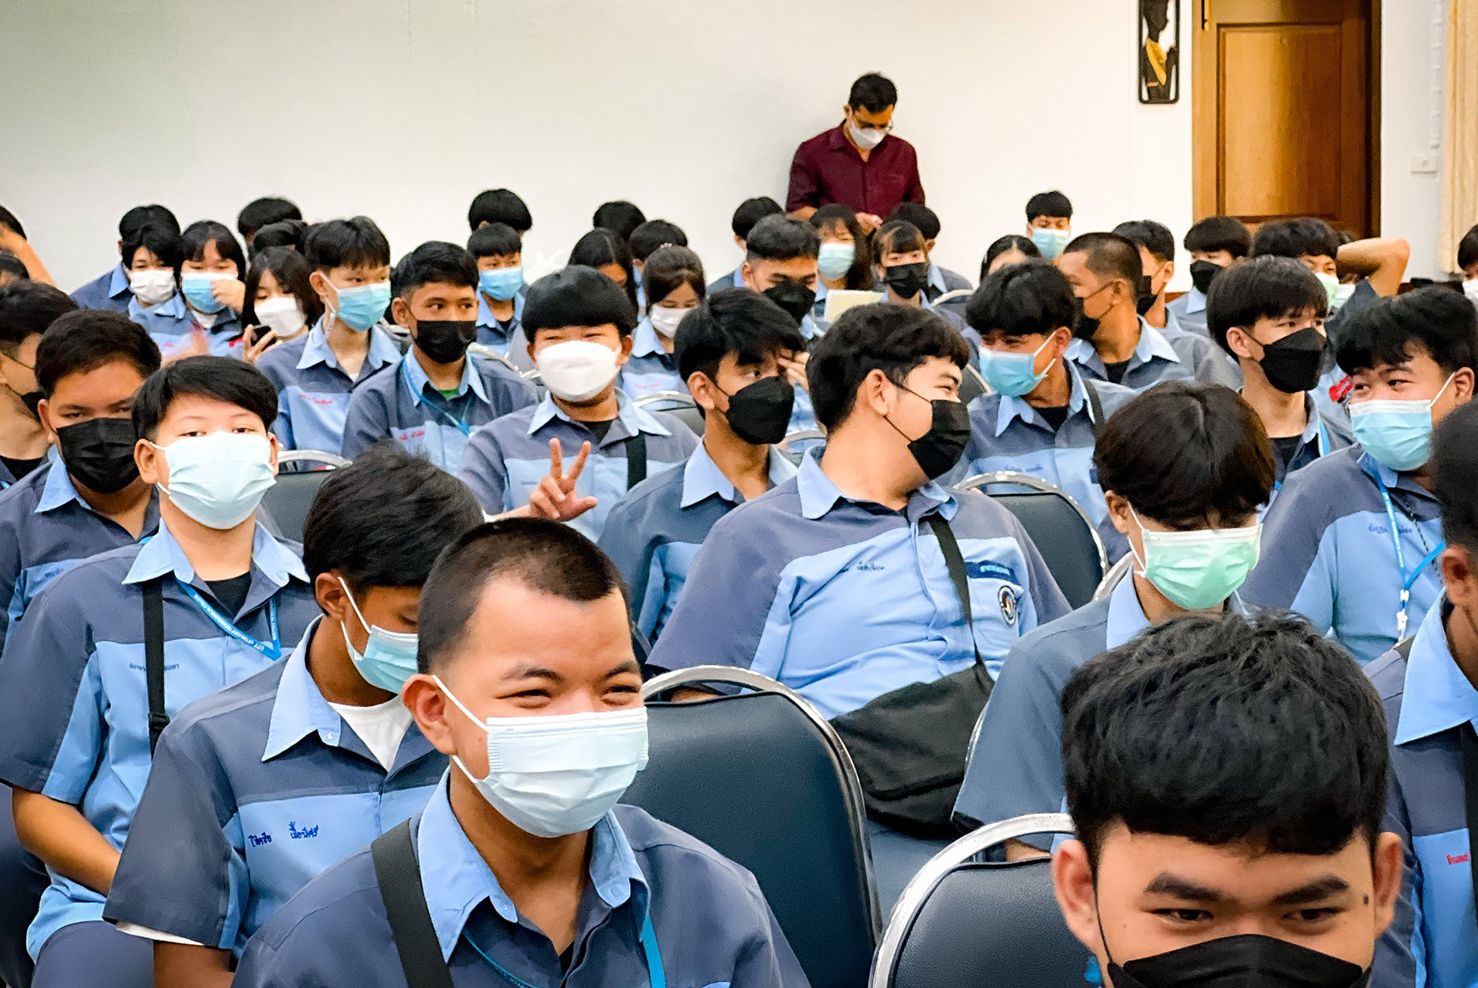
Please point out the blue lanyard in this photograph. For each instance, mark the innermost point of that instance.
(459, 424)
(272, 649)
(656, 974)
(1408, 580)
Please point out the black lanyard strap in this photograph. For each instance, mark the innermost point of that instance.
(636, 459)
(399, 877)
(154, 658)
(954, 561)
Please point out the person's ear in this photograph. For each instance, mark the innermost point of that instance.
(928, 246)
(1059, 341)
(273, 449)
(400, 311)
(739, 242)
(1072, 884)
(153, 468)
(43, 412)
(120, 248)
(332, 600)
(1169, 272)
(1387, 862)
(703, 390)
(430, 709)
(1459, 578)
(746, 272)
(318, 281)
(1462, 385)
(879, 392)
(1238, 339)
(531, 353)
(624, 353)
(1119, 514)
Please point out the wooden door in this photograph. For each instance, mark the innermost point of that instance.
(1284, 113)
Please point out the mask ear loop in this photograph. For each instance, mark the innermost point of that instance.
(1143, 563)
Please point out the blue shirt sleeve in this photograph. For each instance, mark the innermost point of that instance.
(367, 421)
(1400, 953)
(1297, 569)
(484, 471)
(632, 547)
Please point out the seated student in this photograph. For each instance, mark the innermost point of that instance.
(318, 740)
(1380, 263)
(1253, 856)
(1013, 248)
(286, 233)
(1214, 243)
(1042, 416)
(76, 726)
(579, 325)
(645, 240)
(1185, 467)
(780, 262)
(315, 374)
(728, 354)
(1467, 263)
(673, 284)
(26, 309)
(941, 280)
(202, 316)
(497, 249)
(1157, 261)
(152, 253)
(619, 217)
(608, 253)
(844, 259)
(263, 212)
(499, 206)
(527, 884)
(1429, 685)
(112, 289)
(436, 396)
(280, 301)
(88, 367)
(1268, 313)
(901, 267)
(1049, 223)
(1114, 343)
(750, 212)
(1353, 538)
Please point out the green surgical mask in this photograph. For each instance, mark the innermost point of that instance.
(1200, 569)
(1331, 288)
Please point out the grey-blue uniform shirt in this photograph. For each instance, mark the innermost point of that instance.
(845, 600)
(1189, 312)
(172, 326)
(507, 340)
(1160, 355)
(110, 291)
(313, 390)
(706, 917)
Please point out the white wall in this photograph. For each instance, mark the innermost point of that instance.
(404, 109)
(1412, 58)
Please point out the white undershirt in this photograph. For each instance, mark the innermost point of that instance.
(381, 727)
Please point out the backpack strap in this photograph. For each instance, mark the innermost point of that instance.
(399, 878)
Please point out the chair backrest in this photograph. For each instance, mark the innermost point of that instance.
(1061, 529)
(962, 923)
(764, 780)
(972, 385)
(1115, 574)
(795, 445)
(488, 353)
(675, 403)
(287, 501)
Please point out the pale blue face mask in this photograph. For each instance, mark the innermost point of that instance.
(500, 283)
(1012, 374)
(835, 259)
(361, 307)
(1050, 242)
(197, 291)
(1398, 433)
(388, 659)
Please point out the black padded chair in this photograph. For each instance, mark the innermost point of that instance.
(287, 501)
(972, 384)
(1061, 529)
(675, 403)
(962, 923)
(486, 352)
(762, 777)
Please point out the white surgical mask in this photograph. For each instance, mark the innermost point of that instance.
(1331, 289)
(665, 321)
(389, 657)
(152, 286)
(283, 315)
(866, 138)
(556, 775)
(1470, 289)
(218, 479)
(576, 370)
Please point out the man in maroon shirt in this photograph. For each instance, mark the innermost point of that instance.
(858, 163)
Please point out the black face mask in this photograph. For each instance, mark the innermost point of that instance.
(31, 399)
(1294, 363)
(906, 280)
(1147, 297)
(1085, 327)
(1249, 960)
(759, 413)
(445, 340)
(792, 296)
(938, 450)
(99, 453)
(1203, 273)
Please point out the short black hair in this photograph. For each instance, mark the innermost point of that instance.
(202, 232)
(859, 275)
(1011, 241)
(780, 238)
(670, 267)
(920, 216)
(618, 216)
(1467, 249)
(873, 93)
(284, 233)
(1265, 287)
(576, 296)
(1289, 753)
(1182, 451)
(161, 241)
(1219, 233)
(433, 261)
(28, 308)
(495, 240)
(750, 212)
(1032, 298)
(601, 247)
(7, 218)
(896, 237)
(153, 213)
(269, 209)
(1052, 204)
(224, 379)
(87, 339)
(383, 520)
(737, 321)
(1304, 237)
(499, 206)
(653, 234)
(290, 271)
(894, 339)
(1440, 321)
(545, 556)
(354, 243)
(1455, 466)
(12, 265)
(1109, 256)
(1152, 235)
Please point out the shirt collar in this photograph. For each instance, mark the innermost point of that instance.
(1195, 301)
(299, 708)
(1315, 422)
(57, 491)
(644, 341)
(703, 479)
(1018, 408)
(739, 276)
(382, 349)
(819, 494)
(1126, 618)
(485, 315)
(119, 285)
(172, 306)
(936, 277)
(631, 418)
(1437, 695)
(417, 382)
(162, 554)
(1152, 344)
(1392, 480)
(456, 879)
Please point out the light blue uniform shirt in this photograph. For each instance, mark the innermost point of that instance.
(1189, 312)
(845, 600)
(943, 280)
(734, 279)
(313, 390)
(172, 326)
(109, 290)
(401, 403)
(46, 529)
(509, 341)
(1433, 938)
(650, 368)
(1328, 551)
(254, 791)
(709, 922)
(74, 709)
(1160, 355)
(505, 461)
(655, 532)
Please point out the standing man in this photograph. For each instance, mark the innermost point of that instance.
(859, 162)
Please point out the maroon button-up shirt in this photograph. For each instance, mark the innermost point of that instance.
(828, 169)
